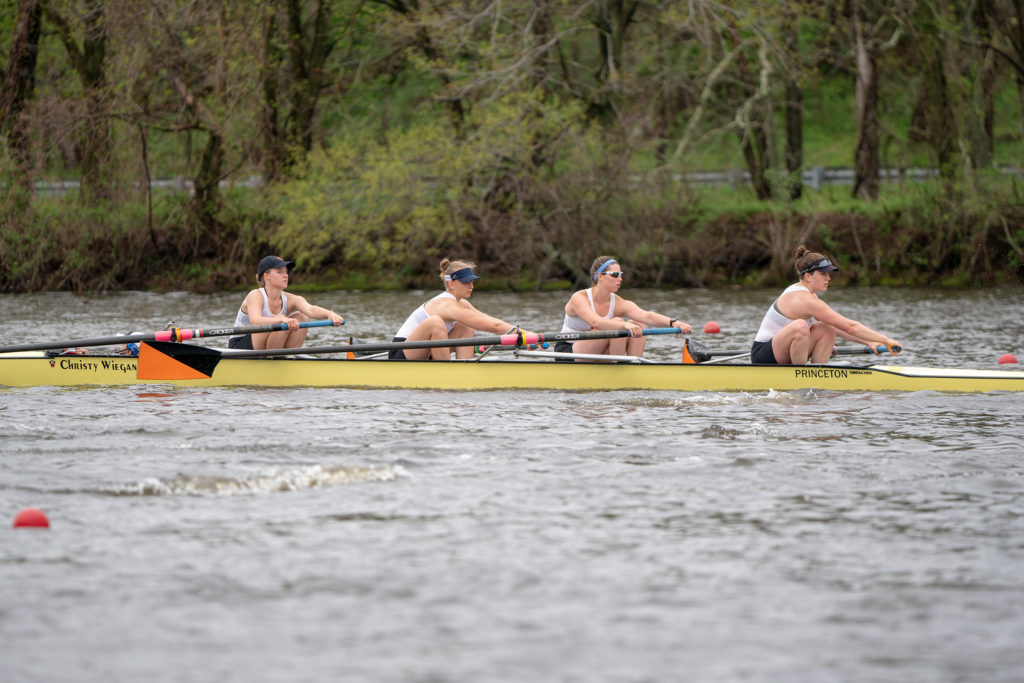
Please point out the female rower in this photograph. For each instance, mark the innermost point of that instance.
(449, 315)
(600, 308)
(800, 326)
(269, 304)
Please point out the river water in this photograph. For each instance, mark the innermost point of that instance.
(324, 534)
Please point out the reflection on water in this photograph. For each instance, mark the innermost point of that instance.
(284, 534)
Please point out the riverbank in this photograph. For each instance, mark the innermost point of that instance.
(917, 234)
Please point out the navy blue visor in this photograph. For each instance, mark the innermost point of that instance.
(824, 265)
(462, 275)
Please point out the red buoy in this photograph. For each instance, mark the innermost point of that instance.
(31, 517)
(711, 327)
(1007, 358)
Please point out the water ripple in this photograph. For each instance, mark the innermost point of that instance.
(271, 481)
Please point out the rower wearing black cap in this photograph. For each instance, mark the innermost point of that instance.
(799, 327)
(270, 304)
(449, 315)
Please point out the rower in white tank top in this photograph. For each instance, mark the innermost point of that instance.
(572, 323)
(774, 320)
(242, 319)
(419, 315)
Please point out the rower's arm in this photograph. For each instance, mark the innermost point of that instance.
(465, 313)
(850, 329)
(300, 304)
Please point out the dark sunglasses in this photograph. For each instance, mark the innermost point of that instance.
(614, 273)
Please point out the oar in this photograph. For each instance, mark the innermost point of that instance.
(175, 334)
(162, 361)
(518, 339)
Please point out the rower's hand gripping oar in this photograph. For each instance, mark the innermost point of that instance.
(176, 334)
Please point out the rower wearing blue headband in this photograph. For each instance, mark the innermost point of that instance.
(599, 307)
(799, 327)
(449, 315)
(601, 269)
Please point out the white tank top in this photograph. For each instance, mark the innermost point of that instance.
(572, 323)
(774, 320)
(242, 319)
(420, 314)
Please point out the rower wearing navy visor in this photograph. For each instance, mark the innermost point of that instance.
(799, 327)
(601, 308)
(449, 315)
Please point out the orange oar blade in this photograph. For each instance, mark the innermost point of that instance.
(161, 361)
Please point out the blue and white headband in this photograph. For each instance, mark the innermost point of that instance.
(603, 266)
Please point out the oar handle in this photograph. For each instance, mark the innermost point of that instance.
(881, 348)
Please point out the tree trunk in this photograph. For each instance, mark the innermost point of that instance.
(288, 131)
(89, 62)
(17, 88)
(754, 144)
(866, 163)
(207, 183)
(1020, 96)
(983, 81)
(273, 146)
(794, 112)
(942, 130)
(612, 19)
(1004, 20)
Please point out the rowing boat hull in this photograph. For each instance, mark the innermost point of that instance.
(37, 370)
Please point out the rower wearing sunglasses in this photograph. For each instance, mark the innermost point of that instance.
(799, 327)
(599, 307)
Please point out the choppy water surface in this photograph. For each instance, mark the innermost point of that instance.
(297, 534)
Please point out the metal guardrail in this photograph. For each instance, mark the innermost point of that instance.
(60, 188)
(814, 178)
(818, 176)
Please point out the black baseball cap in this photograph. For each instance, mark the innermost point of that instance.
(268, 262)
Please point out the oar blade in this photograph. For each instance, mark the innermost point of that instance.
(694, 352)
(163, 361)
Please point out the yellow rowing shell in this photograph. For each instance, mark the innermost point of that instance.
(35, 369)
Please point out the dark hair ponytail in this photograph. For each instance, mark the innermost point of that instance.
(805, 258)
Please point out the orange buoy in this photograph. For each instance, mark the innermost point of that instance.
(711, 327)
(1007, 358)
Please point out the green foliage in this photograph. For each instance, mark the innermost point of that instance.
(406, 202)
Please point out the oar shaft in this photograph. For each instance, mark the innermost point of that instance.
(839, 351)
(176, 334)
